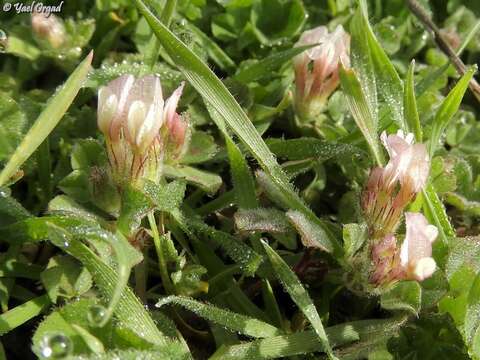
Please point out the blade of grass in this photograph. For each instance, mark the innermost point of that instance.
(299, 295)
(65, 233)
(389, 85)
(159, 248)
(361, 111)
(236, 322)
(48, 119)
(307, 342)
(153, 44)
(267, 65)
(217, 95)
(214, 51)
(22, 313)
(436, 212)
(412, 120)
(448, 108)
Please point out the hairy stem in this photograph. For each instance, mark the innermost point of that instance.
(442, 44)
(158, 240)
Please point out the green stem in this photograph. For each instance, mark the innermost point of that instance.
(45, 170)
(154, 44)
(157, 240)
(417, 9)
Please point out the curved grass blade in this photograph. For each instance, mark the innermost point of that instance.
(299, 295)
(48, 119)
(217, 95)
(56, 228)
(226, 318)
(126, 255)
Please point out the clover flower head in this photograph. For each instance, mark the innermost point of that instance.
(131, 113)
(317, 68)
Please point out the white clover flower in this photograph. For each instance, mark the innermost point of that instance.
(131, 113)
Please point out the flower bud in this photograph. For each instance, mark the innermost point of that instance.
(49, 28)
(317, 69)
(176, 132)
(385, 260)
(131, 113)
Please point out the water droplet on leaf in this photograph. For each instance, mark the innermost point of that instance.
(96, 315)
(55, 346)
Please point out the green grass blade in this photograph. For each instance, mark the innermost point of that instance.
(361, 111)
(233, 321)
(22, 313)
(299, 295)
(448, 108)
(153, 44)
(243, 182)
(307, 342)
(412, 119)
(267, 65)
(436, 213)
(214, 51)
(217, 95)
(389, 85)
(47, 120)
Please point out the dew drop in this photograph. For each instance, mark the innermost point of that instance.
(96, 315)
(55, 346)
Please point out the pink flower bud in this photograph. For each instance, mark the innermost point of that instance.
(176, 132)
(384, 257)
(416, 251)
(131, 113)
(49, 28)
(315, 83)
